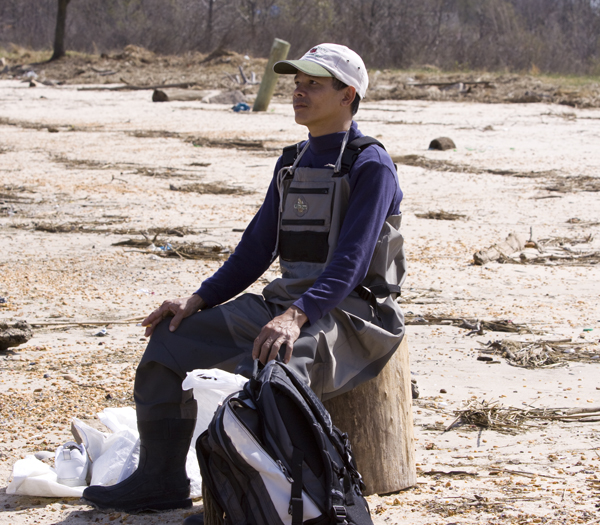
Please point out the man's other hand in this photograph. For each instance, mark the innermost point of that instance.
(282, 330)
(179, 309)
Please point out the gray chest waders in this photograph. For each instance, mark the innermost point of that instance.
(358, 337)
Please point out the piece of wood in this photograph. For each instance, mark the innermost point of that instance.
(485, 83)
(513, 243)
(131, 87)
(279, 51)
(377, 416)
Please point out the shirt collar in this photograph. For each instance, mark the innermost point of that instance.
(333, 141)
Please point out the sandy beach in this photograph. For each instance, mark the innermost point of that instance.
(97, 187)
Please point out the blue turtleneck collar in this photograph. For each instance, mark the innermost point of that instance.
(333, 141)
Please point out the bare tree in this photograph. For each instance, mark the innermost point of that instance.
(553, 35)
(59, 34)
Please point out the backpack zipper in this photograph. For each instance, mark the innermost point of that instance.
(285, 471)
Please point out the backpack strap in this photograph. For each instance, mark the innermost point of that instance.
(353, 150)
(296, 503)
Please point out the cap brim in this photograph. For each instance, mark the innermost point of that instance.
(291, 67)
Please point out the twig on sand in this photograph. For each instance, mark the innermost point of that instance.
(521, 473)
(67, 322)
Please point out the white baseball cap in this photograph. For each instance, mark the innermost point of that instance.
(330, 60)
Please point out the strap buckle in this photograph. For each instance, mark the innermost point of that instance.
(340, 514)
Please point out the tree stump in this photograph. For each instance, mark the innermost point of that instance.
(377, 416)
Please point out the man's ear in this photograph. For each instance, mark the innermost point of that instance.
(349, 94)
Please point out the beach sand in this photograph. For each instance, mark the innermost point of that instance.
(83, 170)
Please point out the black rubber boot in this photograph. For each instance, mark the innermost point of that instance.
(160, 481)
(194, 519)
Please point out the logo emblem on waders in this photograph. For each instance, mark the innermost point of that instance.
(300, 207)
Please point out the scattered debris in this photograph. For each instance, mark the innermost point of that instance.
(212, 188)
(513, 243)
(459, 473)
(544, 354)
(553, 251)
(143, 243)
(575, 184)
(194, 250)
(243, 144)
(445, 166)
(497, 325)
(131, 87)
(491, 415)
(441, 215)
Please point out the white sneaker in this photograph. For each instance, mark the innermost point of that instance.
(71, 463)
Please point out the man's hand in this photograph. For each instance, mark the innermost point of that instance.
(178, 308)
(282, 330)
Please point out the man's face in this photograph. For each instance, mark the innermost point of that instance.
(318, 106)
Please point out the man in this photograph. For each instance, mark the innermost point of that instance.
(332, 219)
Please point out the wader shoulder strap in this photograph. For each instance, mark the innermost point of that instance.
(289, 154)
(353, 150)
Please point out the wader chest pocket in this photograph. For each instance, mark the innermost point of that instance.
(306, 221)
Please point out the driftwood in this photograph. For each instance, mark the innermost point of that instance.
(192, 95)
(131, 87)
(513, 243)
(485, 83)
(182, 95)
(68, 322)
(377, 416)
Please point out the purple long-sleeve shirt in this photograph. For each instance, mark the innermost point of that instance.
(374, 195)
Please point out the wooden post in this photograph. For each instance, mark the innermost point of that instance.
(377, 416)
(279, 51)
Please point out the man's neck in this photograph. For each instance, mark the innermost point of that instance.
(329, 128)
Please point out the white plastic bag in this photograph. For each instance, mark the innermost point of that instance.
(210, 388)
(32, 477)
(115, 455)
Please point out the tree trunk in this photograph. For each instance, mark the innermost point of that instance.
(209, 25)
(377, 416)
(59, 34)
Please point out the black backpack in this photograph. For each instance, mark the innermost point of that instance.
(272, 456)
